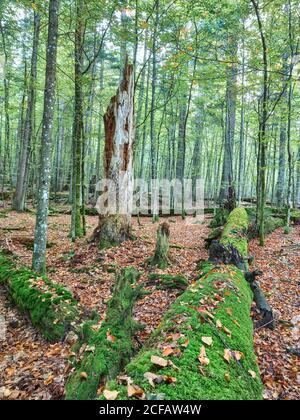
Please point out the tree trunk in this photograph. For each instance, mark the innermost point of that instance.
(20, 195)
(115, 217)
(77, 202)
(39, 253)
(231, 91)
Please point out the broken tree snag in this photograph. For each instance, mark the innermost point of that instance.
(114, 206)
(203, 348)
(161, 254)
(50, 307)
(110, 347)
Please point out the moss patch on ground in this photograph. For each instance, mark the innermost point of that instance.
(51, 307)
(216, 306)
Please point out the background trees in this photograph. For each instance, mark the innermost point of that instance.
(212, 100)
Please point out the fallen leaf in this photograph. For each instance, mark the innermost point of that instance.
(227, 355)
(238, 355)
(49, 380)
(229, 311)
(135, 391)
(83, 375)
(110, 337)
(227, 331)
(159, 361)
(151, 378)
(186, 343)
(167, 351)
(110, 395)
(207, 340)
(252, 373)
(219, 324)
(203, 359)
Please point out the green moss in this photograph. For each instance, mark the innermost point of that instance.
(220, 217)
(110, 348)
(193, 381)
(51, 307)
(106, 244)
(235, 231)
(167, 281)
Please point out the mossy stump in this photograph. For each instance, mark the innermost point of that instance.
(161, 254)
(109, 348)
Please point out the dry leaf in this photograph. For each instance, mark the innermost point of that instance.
(49, 380)
(227, 331)
(83, 375)
(203, 359)
(110, 395)
(135, 391)
(227, 355)
(110, 337)
(167, 351)
(159, 361)
(151, 378)
(207, 340)
(252, 373)
(229, 311)
(219, 324)
(238, 355)
(186, 343)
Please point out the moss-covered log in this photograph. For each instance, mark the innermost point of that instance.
(203, 348)
(110, 348)
(161, 254)
(50, 307)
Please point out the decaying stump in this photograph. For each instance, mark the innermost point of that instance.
(161, 254)
(109, 348)
(114, 205)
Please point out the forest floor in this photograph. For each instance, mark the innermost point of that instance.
(31, 368)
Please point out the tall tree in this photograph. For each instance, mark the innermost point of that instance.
(40, 235)
(20, 194)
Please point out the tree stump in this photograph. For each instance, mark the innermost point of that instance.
(161, 254)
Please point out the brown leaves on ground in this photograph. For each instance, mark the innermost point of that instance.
(280, 262)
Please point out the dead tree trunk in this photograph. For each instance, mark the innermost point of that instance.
(114, 205)
(161, 254)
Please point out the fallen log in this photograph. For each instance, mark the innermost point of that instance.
(109, 348)
(203, 348)
(50, 307)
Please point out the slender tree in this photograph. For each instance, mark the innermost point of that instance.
(40, 236)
